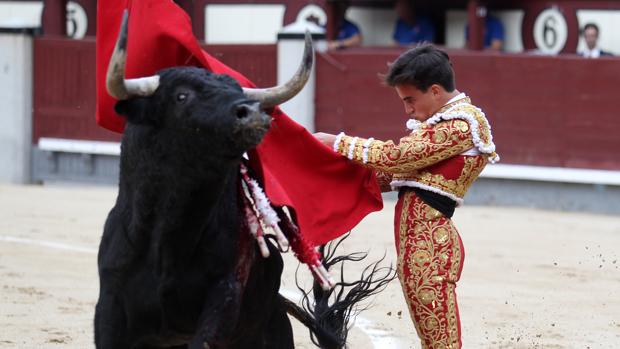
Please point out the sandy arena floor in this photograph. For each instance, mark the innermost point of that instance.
(532, 279)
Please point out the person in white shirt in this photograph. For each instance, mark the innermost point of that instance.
(590, 35)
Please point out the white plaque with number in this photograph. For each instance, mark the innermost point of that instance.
(77, 21)
(550, 31)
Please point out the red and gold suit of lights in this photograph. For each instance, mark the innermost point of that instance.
(444, 154)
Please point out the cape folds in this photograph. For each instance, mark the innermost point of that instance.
(327, 194)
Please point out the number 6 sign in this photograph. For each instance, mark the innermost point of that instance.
(77, 21)
(550, 31)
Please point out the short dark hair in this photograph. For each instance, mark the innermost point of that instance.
(591, 25)
(422, 67)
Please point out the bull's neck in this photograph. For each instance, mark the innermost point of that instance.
(158, 176)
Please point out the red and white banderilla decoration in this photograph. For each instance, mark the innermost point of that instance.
(259, 212)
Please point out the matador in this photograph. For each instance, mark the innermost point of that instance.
(432, 168)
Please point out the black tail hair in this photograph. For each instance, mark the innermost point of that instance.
(328, 316)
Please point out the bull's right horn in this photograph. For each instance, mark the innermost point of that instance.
(119, 87)
(270, 97)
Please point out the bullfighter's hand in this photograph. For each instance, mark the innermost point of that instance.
(325, 138)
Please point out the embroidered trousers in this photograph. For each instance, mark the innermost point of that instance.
(430, 259)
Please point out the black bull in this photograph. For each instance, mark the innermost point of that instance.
(169, 252)
(177, 266)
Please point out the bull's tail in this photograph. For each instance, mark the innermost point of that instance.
(328, 315)
(329, 338)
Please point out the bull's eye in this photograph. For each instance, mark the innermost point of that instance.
(242, 111)
(181, 97)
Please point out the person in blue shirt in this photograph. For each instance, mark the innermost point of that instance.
(493, 33)
(411, 29)
(349, 34)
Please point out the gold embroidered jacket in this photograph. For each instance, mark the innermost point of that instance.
(444, 154)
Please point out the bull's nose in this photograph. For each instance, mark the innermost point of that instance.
(245, 110)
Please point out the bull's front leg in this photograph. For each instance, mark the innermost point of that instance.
(110, 322)
(219, 316)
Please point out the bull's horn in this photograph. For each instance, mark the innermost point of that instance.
(270, 97)
(119, 87)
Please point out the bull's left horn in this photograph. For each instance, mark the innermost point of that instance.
(270, 97)
(119, 87)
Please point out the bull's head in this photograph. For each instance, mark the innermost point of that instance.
(193, 99)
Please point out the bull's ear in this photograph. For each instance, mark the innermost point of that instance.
(135, 110)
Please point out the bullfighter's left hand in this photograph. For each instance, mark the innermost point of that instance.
(325, 138)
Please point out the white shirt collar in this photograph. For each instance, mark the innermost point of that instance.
(456, 98)
(593, 53)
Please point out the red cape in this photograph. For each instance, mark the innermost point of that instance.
(328, 194)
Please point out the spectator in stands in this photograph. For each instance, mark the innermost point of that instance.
(349, 34)
(411, 28)
(590, 34)
(493, 33)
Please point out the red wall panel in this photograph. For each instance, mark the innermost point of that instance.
(258, 62)
(64, 84)
(64, 90)
(548, 111)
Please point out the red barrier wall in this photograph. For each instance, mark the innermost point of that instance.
(548, 111)
(64, 84)
(64, 90)
(257, 62)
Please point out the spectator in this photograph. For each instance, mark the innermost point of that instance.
(590, 35)
(411, 28)
(493, 33)
(349, 34)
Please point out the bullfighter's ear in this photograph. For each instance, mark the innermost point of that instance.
(134, 110)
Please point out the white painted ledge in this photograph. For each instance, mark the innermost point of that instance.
(79, 146)
(499, 171)
(551, 174)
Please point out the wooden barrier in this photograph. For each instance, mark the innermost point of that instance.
(545, 111)
(64, 84)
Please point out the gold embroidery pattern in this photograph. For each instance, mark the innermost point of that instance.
(424, 147)
(384, 180)
(359, 149)
(471, 170)
(429, 265)
(412, 158)
(484, 130)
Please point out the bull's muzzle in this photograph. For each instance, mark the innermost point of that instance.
(251, 125)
